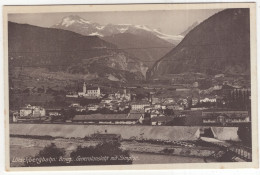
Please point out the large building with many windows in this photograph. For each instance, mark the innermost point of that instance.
(90, 92)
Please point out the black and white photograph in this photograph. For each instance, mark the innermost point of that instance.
(173, 85)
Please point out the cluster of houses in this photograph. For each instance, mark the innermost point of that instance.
(140, 113)
(121, 108)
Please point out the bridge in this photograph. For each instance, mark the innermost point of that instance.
(239, 152)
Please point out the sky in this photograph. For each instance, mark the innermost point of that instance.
(168, 21)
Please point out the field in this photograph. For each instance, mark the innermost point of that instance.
(173, 133)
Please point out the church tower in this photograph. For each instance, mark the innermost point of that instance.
(84, 88)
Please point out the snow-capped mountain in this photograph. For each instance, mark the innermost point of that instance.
(85, 27)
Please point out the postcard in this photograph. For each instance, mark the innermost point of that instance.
(137, 86)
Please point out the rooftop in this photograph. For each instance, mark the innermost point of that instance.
(98, 117)
(137, 111)
(92, 88)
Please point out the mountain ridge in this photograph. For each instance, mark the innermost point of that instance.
(220, 44)
(67, 51)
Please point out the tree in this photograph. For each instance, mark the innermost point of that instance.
(169, 112)
(244, 133)
(40, 90)
(111, 150)
(69, 114)
(49, 156)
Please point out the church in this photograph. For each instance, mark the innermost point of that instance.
(90, 92)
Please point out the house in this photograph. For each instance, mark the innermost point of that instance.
(125, 95)
(148, 108)
(169, 100)
(182, 90)
(25, 111)
(155, 100)
(15, 116)
(198, 108)
(74, 105)
(106, 100)
(219, 76)
(108, 119)
(154, 114)
(157, 106)
(208, 99)
(92, 107)
(32, 111)
(72, 96)
(194, 101)
(80, 109)
(217, 87)
(175, 107)
(90, 92)
(139, 105)
(54, 112)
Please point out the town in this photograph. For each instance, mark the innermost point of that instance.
(229, 106)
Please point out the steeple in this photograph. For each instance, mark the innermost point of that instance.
(84, 88)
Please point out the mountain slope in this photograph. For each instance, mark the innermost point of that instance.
(220, 44)
(147, 49)
(69, 52)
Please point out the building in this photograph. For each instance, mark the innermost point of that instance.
(139, 105)
(154, 114)
(15, 116)
(182, 90)
(194, 101)
(155, 100)
(141, 111)
(123, 95)
(106, 101)
(157, 106)
(92, 107)
(161, 120)
(90, 92)
(32, 111)
(80, 109)
(175, 107)
(208, 100)
(109, 119)
(54, 112)
(148, 108)
(224, 118)
(72, 95)
(74, 105)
